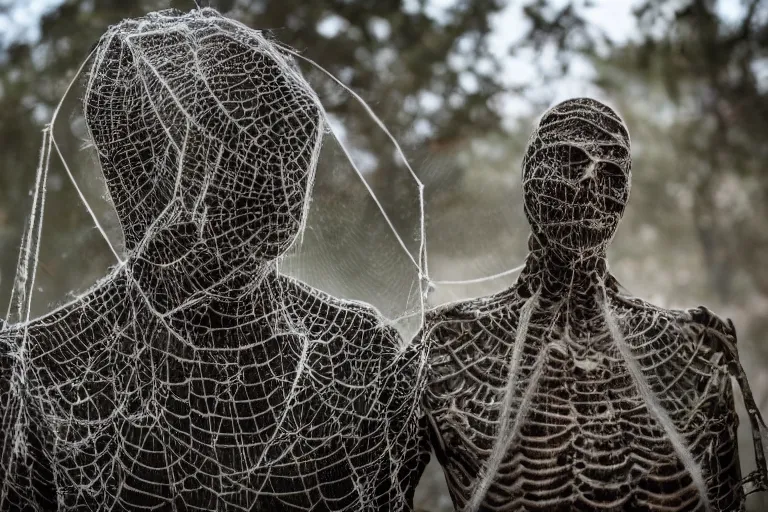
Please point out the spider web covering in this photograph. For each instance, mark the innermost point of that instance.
(364, 238)
(475, 229)
(195, 376)
(564, 393)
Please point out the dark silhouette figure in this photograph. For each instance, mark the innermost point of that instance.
(195, 376)
(562, 393)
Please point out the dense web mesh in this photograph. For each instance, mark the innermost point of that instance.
(196, 376)
(218, 365)
(562, 392)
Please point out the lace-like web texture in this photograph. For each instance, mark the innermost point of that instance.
(562, 393)
(195, 376)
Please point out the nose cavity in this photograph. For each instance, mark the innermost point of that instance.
(589, 172)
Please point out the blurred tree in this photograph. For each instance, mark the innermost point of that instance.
(715, 70)
(698, 72)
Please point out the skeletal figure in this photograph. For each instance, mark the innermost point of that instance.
(562, 393)
(195, 376)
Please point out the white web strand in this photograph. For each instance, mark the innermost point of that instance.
(482, 279)
(18, 290)
(503, 435)
(654, 407)
(35, 232)
(32, 232)
(19, 280)
(26, 275)
(88, 207)
(423, 269)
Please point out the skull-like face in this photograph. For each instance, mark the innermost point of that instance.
(203, 121)
(576, 175)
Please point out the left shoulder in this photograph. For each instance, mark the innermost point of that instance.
(699, 319)
(321, 313)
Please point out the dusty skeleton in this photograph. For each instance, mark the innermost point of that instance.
(563, 392)
(195, 376)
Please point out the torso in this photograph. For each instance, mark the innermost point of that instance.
(580, 434)
(273, 403)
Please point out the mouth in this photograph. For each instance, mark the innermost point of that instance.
(593, 206)
(594, 223)
(601, 223)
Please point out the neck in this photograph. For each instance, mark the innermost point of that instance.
(175, 267)
(563, 274)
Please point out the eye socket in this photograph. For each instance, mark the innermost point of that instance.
(611, 170)
(612, 177)
(571, 161)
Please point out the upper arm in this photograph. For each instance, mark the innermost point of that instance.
(25, 469)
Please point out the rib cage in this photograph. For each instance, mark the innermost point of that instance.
(588, 440)
(562, 394)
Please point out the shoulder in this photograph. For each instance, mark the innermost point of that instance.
(325, 315)
(472, 314)
(101, 307)
(695, 320)
(353, 344)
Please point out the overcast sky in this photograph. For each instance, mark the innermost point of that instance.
(613, 17)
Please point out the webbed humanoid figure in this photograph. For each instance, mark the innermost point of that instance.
(562, 393)
(195, 376)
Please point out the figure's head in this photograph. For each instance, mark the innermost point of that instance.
(201, 121)
(576, 176)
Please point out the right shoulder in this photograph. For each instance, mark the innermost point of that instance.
(466, 329)
(107, 302)
(473, 313)
(333, 319)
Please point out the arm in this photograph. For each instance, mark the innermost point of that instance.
(64, 369)
(720, 336)
(25, 471)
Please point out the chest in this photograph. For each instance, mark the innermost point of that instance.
(573, 376)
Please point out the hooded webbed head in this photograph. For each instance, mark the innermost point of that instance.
(576, 176)
(204, 128)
